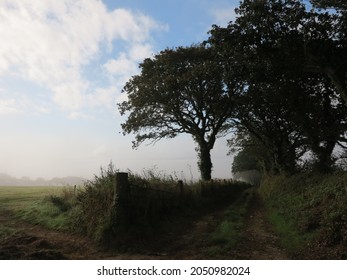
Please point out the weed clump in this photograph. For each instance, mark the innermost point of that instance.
(62, 204)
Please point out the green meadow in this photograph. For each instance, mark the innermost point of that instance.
(16, 198)
(34, 205)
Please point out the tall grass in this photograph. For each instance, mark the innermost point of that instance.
(92, 213)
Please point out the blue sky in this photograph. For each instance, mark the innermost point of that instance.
(62, 67)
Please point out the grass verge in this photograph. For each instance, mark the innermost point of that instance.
(309, 213)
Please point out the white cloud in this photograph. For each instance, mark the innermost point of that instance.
(140, 51)
(100, 151)
(51, 42)
(41, 109)
(119, 70)
(223, 16)
(18, 104)
(122, 66)
(126, 64)
(8, 106)
(69, 96)
(103, 97)
(79, 115)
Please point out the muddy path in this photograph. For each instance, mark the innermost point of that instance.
(28, 241)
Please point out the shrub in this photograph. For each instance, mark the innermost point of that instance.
(92, 212)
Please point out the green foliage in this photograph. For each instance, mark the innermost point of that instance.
(244, 161)
(251, 153)
(94, 204)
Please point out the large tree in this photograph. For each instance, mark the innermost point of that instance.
(181, 90)
(260, 44)
(322, 117)
(293, 62)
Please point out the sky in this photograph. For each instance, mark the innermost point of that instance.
(63, 65)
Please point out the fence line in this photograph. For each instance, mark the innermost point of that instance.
(128, 196)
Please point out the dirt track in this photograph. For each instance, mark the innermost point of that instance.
(36, 242)
(259, 241)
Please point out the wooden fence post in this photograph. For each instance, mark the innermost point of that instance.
(122, 186)
(180, 187)
(121, 197)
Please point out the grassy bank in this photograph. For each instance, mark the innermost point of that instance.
(309, 213)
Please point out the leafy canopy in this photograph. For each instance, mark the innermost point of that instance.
(178, 91)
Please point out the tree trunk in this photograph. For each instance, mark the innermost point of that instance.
(324, 157)
(338, 79)
(205, 163)
(338, 82)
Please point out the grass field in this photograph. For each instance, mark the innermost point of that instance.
(33, 204)
(14, 198)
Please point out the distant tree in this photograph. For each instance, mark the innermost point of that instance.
(245, 160)
(181, 90)
(250, 153)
